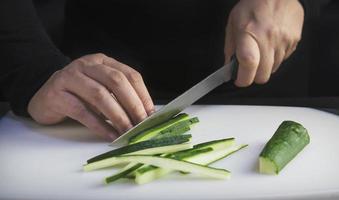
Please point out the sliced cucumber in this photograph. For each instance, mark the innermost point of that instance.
(149, 173)
(152, 132)
(162, 150)
(151, 151)
(172, 164)
(178, 156)
(123, 173)
(216, 144)
(289, 139)
(177, 139)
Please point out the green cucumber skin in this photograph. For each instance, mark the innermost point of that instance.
(196, 151)
(122, 174)
(151, 132)
(177, 139)
(190, 167)
(289, 139)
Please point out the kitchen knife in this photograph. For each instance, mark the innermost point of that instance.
(224, 74)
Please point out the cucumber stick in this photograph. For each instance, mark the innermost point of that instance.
(152, 132)
(129, 170)
(172, 164)
(177, 128)
(289, 139)
(198, 149)
(149, 173)
(123, 173)
(177, 139)
(151, 151)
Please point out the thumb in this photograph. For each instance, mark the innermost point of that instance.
(248, 55)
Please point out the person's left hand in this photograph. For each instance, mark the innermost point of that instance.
(262, 34)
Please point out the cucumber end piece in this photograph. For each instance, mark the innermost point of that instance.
(266, 166)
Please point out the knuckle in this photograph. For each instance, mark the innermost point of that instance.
(116, 77)
(97, 57)
(77, 111)
(134, 76)
(273, 31)
(51, 94)
(98, 94)
(80, 62)
(59, 78)
(248, 60)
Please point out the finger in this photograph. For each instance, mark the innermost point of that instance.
(247, 52)
(97, 95)
(74, 108)
(279, 56)
(291, 48)
(265, 65)
(136, 81)
(117, 82)
(229, 43)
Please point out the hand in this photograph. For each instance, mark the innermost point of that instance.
(90, 89)
(262, 34)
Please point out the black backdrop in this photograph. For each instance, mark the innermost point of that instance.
(174, 47)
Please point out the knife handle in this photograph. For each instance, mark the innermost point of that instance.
(235, 66)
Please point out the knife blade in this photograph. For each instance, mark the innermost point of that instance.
(224, 74)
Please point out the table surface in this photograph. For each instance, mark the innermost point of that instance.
(40, 162)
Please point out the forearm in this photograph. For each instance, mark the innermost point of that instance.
(28, 57)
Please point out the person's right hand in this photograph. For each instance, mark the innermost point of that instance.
(90, 89)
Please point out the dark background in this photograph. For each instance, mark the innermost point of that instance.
(175, 52)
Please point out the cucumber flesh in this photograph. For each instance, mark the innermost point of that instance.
(288, 140)
(152, 151)
(266, 166)
(177, 139)
(152, 132)
(216, 144)
(173, 164)
(149, 173)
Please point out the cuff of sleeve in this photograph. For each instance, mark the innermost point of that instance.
(29, 81)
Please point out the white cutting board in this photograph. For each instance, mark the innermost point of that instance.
(40, 162)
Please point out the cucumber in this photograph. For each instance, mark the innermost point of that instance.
(149, 173)
(177, 139)
(151, 151)
(152, 132)
(123, 173)
(162, 150)
(172, 164)
(177, 128)
(216, 144)
(288, 140)
(196, 150)
(127, 171)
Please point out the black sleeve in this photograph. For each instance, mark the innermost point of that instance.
(313, 8)
(27, 55)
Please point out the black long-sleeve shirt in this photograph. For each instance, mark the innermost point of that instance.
(30, 53)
